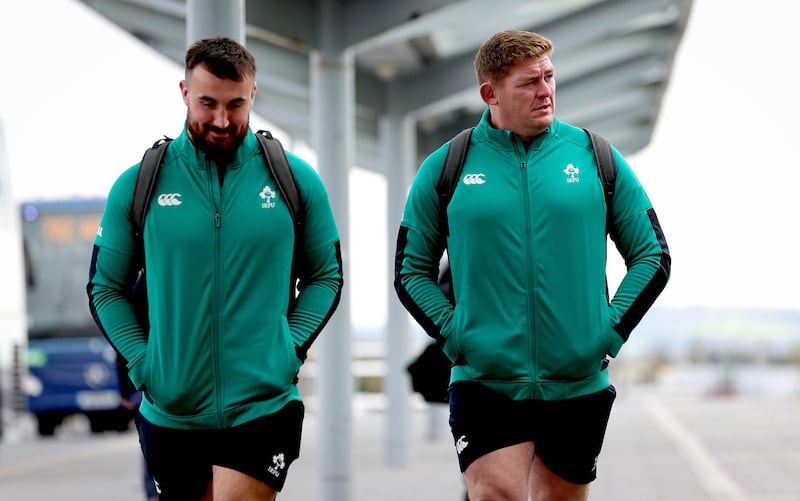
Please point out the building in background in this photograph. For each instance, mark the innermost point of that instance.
(12, 299)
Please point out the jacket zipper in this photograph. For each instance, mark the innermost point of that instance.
(529, 272)
(216, 200)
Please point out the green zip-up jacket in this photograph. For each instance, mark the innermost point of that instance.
(527, 251)
(225, 342)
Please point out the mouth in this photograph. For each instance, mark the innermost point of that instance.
(219, 134)
(215, 131)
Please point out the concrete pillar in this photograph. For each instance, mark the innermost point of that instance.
(398, 141)
(333, 139)
(208, 18)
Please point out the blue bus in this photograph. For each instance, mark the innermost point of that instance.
(71, 366)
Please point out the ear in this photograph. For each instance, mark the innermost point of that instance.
(185, 91)
(488, 93)
(253, 92)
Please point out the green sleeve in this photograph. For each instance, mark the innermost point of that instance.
(419, 250)
(640, 240)
(107, 287)
(321, 282)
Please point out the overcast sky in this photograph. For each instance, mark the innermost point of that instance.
(80, 99)
(721, 171)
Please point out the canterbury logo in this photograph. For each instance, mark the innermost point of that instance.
(169, 199)
(474, 179)
(461, 444)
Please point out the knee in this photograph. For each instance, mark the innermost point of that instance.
(489, 490)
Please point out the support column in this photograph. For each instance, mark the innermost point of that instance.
(398, 142)
(333, 139)
(208, 18)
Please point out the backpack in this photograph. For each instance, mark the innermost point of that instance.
(146, 178)
(430, 371)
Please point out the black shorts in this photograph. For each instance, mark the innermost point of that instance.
(567, 434)
(180, 461)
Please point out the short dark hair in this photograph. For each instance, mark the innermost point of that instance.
(224, 58)
(501, 51)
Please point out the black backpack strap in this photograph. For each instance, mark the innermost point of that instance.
(143, 191)
(146, 184)
(281, 171)
(607, 170)
(448, 180)
(278, 165)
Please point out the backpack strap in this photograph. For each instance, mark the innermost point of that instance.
(606, 169)
(142, 195)
(445, 187)
(448, 180)
(278, 165)
(144, 188)
(146, 183)
(281, 171)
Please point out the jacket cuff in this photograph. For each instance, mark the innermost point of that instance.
(136, 372)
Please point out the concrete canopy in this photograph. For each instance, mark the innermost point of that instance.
(613, 59)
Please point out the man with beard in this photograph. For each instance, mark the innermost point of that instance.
(221, 414)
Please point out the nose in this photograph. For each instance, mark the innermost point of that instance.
(544, 89)
(221, 118)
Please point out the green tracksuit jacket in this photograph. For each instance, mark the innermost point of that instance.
(527, 251)
(224, 346)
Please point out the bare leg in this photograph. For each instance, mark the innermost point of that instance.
(231, 485)
(547, 486)
(501, 475)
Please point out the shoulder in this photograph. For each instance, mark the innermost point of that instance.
(310, 185)
(579, 138)
(431, 168)
(122, 189)
(571, 135)
(300, 166)
(305, 175)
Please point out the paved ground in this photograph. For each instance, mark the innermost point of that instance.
(660, 447)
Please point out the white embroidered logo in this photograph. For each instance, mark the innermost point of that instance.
(474, 178)
(169, 199)
(572, 174)
(268, 195)
(461, 444)
(278, 464)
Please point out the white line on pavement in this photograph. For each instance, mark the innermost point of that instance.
(719, 485)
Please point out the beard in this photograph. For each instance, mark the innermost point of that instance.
(218, 149)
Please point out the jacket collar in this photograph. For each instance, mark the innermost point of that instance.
(505, 139)
(192, 155)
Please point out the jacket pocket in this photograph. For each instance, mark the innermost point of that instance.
(267, 365)
(489, 347)
(177, 382)
(449, 333)
(615, 341)
(572, 345)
